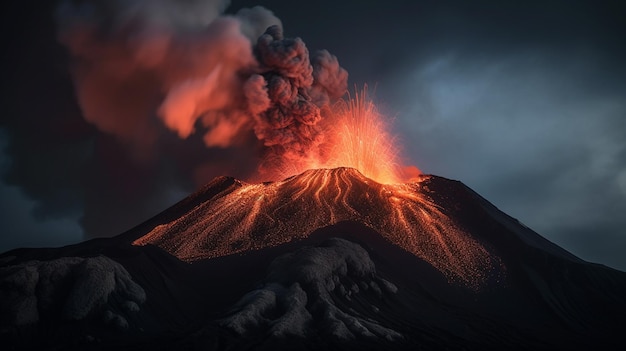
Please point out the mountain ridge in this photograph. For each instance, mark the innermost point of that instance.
(252, 216)
(343, 285)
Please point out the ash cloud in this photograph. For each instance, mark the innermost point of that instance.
(168, 95)
(298, 91)
(140, 65)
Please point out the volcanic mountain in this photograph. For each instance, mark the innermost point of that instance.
(327, 259)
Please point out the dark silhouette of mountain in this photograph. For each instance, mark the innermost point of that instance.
(328, 259)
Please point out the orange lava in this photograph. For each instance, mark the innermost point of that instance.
(360, 140)
(355, 135)
(254, 216)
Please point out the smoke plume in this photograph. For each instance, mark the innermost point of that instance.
(139, 65)
(180, 92)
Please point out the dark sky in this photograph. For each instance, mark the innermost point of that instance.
(523, 101)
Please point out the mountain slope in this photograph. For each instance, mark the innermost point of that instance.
(253, 216)
(325, 259)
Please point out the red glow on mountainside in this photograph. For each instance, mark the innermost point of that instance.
(254, 216)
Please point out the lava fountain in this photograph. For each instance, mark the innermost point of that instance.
(355, 135)
(360, 140)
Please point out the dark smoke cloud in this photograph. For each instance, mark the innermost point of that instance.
(170, 94)
(188, 67)
(137, 60)
(290, 125)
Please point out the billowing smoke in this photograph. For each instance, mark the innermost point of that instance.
(138, 61)
(291, 93)
(139, 64)
(180, 93)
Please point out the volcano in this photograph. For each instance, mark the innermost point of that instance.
(327, 259)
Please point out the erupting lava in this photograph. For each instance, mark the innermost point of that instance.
(355, 136)
(361, 141)
(254, 216)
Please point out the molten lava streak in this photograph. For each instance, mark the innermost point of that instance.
(254, 216)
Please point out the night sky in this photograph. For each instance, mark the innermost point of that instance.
(524, 102)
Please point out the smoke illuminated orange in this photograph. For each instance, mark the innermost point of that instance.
(356, 136)
(254, 216)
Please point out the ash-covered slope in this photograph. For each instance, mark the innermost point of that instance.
(325, 259)
(247, 217)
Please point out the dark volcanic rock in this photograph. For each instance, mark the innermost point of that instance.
(299, 294)
(340, 286)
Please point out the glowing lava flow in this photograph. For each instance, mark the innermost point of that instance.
(254, 216)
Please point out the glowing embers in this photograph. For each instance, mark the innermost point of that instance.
(360, 140)
(254, 216)
(354, 134)
(420, 227)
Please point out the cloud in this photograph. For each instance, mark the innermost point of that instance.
(538, 133)
(133, 62)
(136, 62)
(167, 95)
(21, 230)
